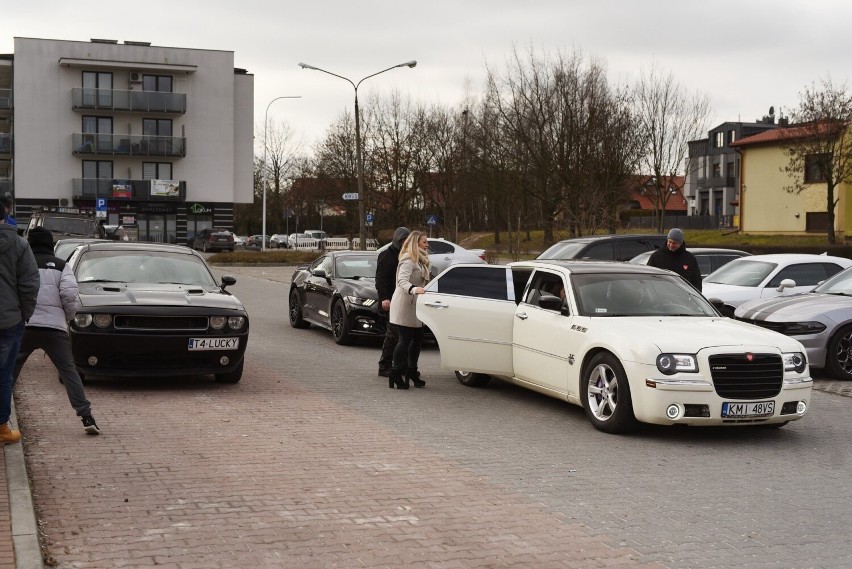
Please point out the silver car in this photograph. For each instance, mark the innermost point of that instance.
(820, 319)
(443, 253)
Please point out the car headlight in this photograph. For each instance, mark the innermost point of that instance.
(794, 361)
(102, 320)
(801, 328)
(361, 301)
(218, 322)
(82, 320)
(671, 364)
(236, 322)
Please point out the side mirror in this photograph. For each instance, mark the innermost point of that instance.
(227, 280)
(785, 284)
(550, 302)
(719, 305)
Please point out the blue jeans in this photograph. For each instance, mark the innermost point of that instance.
(10, 341)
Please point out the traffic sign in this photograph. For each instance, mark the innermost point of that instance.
(432, 220)
(351, 196)
(370, 218)
(100, 207)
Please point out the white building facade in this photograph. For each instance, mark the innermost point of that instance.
(159, 138)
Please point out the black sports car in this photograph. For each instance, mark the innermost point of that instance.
(152, 309)
(338, 292)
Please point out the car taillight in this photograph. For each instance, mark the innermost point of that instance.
(482, 256)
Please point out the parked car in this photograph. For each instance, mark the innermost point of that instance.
(153, 309)
(213, 239)
(709, 258)
(604, 247)
(302, 240)
(768, 276)
(240, 241)
(820, 319)
(317, 234)
(443, 253)
(64, 247)
(279, 241)
(338, 292)
(257, 241)
(629, 343)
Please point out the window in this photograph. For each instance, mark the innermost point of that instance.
(731, 172)
(440, 248)
(161, 83)
(97, 89)
(97, 134)
(157, 127)
(717, 170)
(805, 274)
(815, 167)
(545, 283)
(629, 248)
(157, 171)
(719, 139)
(480, 282)
(732, 136)
(602, 251)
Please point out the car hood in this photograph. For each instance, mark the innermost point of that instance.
(364, 287)
(730, 293)
(691, 335)
(118, 294)
(797, 306)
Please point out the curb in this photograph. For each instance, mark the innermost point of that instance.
(24, 525)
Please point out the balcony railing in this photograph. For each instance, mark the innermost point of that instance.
(132, 101)
(5, 99)
(150, 190)
(128, 145)
(5, 143)
(7, 186)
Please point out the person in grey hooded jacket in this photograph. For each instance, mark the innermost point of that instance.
(47, 329)
(19, 282)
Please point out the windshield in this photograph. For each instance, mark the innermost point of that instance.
(611, 294)
(126, 266)
(356, 266)
(841, 283)
(70, 225)
(742, 272)
(568, 250)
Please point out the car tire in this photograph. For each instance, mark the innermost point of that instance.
(295, 311)
(605, 394)
(231, 377)
(204, 246)
(473, 379)
(340, 324)
(838, 355)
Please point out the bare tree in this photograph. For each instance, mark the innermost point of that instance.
(819, 147)
(669, 118)
(284, 154)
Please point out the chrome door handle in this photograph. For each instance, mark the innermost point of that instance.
(436, 304)
(521, 315)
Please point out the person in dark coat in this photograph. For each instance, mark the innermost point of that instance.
(386, 283)
(674, 257)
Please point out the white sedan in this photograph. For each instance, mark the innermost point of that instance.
(629, 343)
(768, 276)
(443, 253)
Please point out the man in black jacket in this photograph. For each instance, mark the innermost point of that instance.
(675, 257)
(385, 284)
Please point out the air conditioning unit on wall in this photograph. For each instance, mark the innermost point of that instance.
(135, 77)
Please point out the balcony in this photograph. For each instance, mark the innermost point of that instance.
(83, 99)
(5, 144)
(124, 190)
(128, 145)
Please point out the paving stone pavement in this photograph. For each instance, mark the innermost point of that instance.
(198, 475)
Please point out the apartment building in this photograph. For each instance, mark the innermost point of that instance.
(713, 169)
(159, 139)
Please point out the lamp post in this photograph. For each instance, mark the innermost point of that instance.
(263, 166)
(359, 162)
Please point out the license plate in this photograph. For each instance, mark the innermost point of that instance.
(196, 344)
(756, 409)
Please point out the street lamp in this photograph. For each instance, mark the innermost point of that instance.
(359, 162)
(263, 166)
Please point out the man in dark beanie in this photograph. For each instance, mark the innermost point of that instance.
(676, 258)
(47, 329)
(386, 283)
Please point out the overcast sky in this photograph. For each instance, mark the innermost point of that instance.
(747, 55)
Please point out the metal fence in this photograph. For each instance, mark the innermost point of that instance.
(683, 221)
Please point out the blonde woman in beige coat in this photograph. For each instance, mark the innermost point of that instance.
(412, 274)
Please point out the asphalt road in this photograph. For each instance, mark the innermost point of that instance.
(311, 461)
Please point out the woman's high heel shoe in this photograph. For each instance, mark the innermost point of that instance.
(395, 379)
(414, 377)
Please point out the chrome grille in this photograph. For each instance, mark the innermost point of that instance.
(142, 322)
(737, 377)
